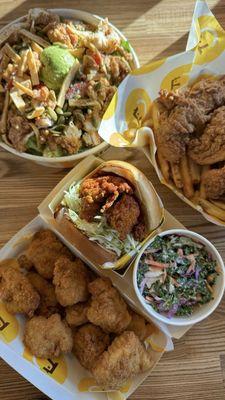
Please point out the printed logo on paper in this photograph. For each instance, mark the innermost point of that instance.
(176, 78)
(136, 108)
(9, 326)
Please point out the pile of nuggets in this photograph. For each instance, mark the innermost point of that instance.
(70, 309)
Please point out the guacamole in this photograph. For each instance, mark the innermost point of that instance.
(56, 63)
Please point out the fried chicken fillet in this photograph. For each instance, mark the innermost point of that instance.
(44, 250)
(123, 215)
(140, 326)
(125, 358)
(209, 148)
(48, 303)
(214, 183)
(48, 337)
(76, 315)
(183, 113)
(71, 280)
(89, 342)
(107, 309)
(17, 292)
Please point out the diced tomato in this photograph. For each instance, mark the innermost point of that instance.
(97, 58)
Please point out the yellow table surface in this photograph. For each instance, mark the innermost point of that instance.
(196, 369)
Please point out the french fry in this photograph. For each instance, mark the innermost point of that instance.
(23, 63)
(186, 178)
(211, 209)
(202, 194)
(176, 175)
(32, 68)
(219, 204)
(164, 166)
(195, 198)
(195, 171)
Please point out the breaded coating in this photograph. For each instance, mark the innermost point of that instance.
(140, 231)
(123, 215)
(99, 193)
(89, 342)
(24, 262)
(76, 315)
(140, 326)
(107, 310)
(209, 148)
(48, 337)
(17, 292)
(125, 358)
(44, 250)
(48, 302)
(71, 280)
(214, 182)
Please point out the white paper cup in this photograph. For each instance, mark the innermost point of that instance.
(67, 161)
(204, 310)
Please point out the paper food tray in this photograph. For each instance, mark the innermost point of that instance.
(62, 377)
(204, 56)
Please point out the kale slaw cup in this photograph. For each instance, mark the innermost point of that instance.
(183, 290)
(66, 161)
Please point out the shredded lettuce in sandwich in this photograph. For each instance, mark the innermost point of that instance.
(98, 231)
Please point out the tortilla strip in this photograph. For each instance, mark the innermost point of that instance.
(66, 83)
(23, 88)
(8, 50)
(4, 116)
(32, 68)
(9, 30)
(23, 63)
(35, 47)
(35, 38)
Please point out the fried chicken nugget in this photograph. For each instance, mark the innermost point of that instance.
(89, 342)
(76, 315)
(48, 337)
(140, 326)
(107, 310)
(48, 302)
(125, 358)
(17, 292)
(71, 280)
(44, 250)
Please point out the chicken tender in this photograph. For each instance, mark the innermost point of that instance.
(48, 337)
(17, 292)
(89, 342)
(76, 315)
(123, 215)
(44, 250)
(140, 326)
(48, 302)
(107, 310)
(125, 358)
(209, 148)
(71, 280)
(214, 182)
(24, 262)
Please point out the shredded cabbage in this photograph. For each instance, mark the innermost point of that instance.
(98, 231)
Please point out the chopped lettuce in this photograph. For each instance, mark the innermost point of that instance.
(32, 146)
(126, 45)
(98, 231)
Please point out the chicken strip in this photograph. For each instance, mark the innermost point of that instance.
(125, 358)
(17, 292)
(107, 310)
(123, 215)
(76, 315)
(44, 250)
(24, 262)
(48, 337)
(209, 148)
(214, 182)
(140, 326)
(48, 302)
(71, 280)
(185, 112)
(89, 342)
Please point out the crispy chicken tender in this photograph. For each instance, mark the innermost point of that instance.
(48, 302)
(89, 342)
(185, 112)
(17, 292)
(123, 215)
(103, 191)
(44, 250)
(24, 262)
(209, 148)
(48, 337)
(214, 182)
(62, 33)
(125, 358)
(76, 315)
(140, 326)
(71, 280)
(107, 310)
